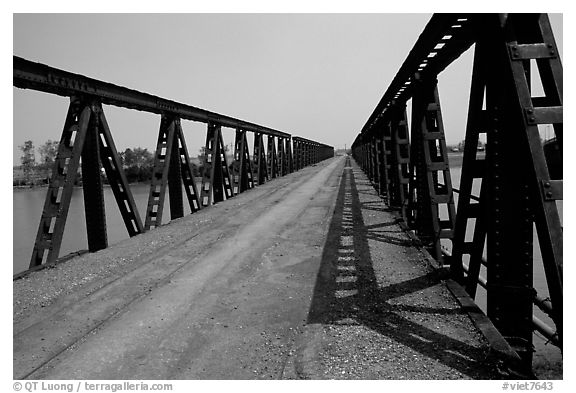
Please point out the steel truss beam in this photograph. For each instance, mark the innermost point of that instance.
(281, 158)
(430, 180)
(171, 168)
(523, 38)
(297, 154)
(242, 166)
(400, 160)
(260, 167)
(310, 152)
(85, 135)
(384, 152)
(216, 182)
(289, 157)
(473, 212)
(272, 162)
(41, 77)
(517, 190)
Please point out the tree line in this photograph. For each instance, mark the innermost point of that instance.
(35, 172)
(137, 163)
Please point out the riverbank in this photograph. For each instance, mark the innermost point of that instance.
(42, 186)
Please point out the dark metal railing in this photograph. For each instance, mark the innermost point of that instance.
(41, 77)
(87, 141)
(410, 168)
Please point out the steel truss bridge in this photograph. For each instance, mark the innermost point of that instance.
(408, 166)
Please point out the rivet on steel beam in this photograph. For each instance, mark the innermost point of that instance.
(547, 184)
(549, 194)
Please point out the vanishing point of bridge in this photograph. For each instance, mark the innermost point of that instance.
(361, 267)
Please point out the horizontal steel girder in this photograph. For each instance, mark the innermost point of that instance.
(41, 77)
(444, 39)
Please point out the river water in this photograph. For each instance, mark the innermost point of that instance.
(27, 209)
(28, 204)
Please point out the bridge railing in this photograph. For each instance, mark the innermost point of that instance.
(87, 142)
(520, 181)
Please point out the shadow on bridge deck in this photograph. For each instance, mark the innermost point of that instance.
(380, 310)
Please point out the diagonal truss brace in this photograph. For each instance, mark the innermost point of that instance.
(242, 166)
(85, 135)
(172, 167)
(216, 182)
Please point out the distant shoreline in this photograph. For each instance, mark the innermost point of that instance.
(40, 186)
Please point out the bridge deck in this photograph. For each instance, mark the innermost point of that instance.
(308, 276)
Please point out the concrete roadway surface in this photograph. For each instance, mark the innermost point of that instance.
(306, 277)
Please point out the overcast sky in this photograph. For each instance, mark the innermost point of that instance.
(318, 76)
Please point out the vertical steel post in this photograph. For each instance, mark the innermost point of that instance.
(238, 165)
(175, 181)
(529, 37)
(509, 237)
(382, 162)
(64, 172)
(272, 158)
(289, 156)
(281, 157)
(260, 167)
(520, 188)
(160, 173)
(186, 170)
(428, 193)
(210, 156)
(400, 162)
(92, 185)
(297, 155)
(256, 158)
(247, 181)
(216, 183)
(376, 163)
(385, 151)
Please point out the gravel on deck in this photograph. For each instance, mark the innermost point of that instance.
(380, 310)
